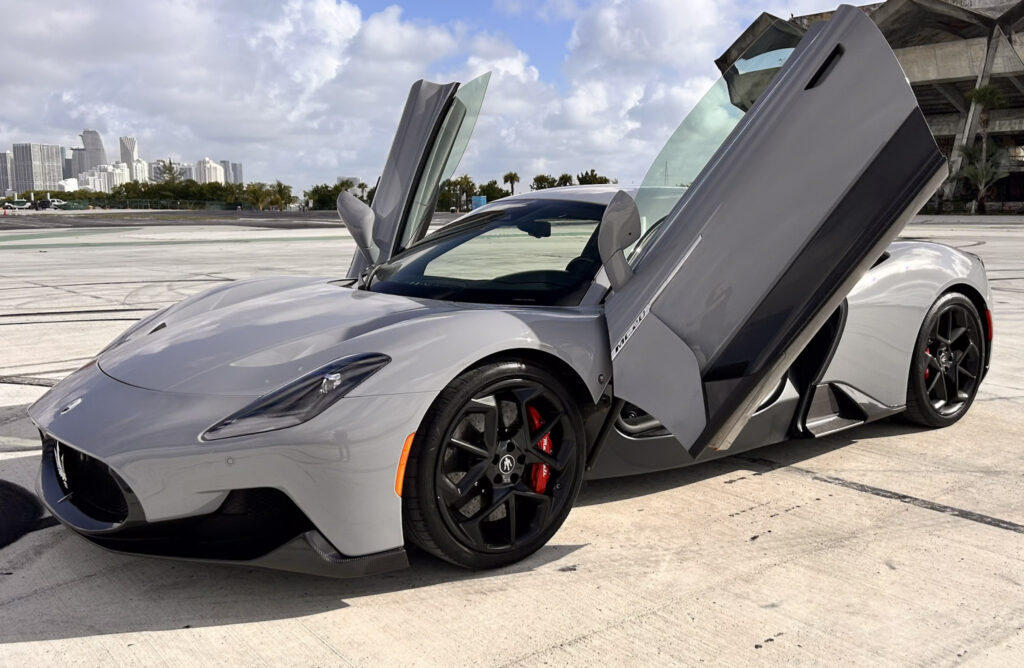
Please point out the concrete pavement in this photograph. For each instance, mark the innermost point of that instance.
(885, 544)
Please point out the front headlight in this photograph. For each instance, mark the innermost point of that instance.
(299, 400)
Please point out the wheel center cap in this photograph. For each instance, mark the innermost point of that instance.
(506, 464)
(945, 359)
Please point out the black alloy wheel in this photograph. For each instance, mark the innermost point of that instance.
(949, 362)
(496, 466)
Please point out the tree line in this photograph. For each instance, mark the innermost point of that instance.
(169, 186)
(456, 192)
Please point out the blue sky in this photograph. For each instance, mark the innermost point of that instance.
(307, 90)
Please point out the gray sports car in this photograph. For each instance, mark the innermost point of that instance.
(456, 388)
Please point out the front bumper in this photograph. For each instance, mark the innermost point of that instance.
(318, 497)
(253, 527)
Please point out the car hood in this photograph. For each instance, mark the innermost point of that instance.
(255, 336)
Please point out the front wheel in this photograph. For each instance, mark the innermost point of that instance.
(495, 467)
(949, 359)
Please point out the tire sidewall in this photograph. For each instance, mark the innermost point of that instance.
(436, 424)
(917, 391)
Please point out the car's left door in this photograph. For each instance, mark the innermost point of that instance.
(432, 135)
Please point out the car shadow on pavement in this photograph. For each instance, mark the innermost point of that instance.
(758, 460)
(54, 584)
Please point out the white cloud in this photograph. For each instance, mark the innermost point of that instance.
(309, 89)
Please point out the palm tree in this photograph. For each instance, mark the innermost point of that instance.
(362, 190)
(258, 194)
(281, 195)
(983, 166)
(981, 171)
(511, 178)
(466, 189)
(167, 172)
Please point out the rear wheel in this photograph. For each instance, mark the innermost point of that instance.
(948, 362)
(496, 466)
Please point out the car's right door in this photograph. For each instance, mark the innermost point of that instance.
(789, 212)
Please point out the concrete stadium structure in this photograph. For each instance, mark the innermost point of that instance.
(947, 48)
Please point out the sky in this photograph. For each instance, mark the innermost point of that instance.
(306, 91)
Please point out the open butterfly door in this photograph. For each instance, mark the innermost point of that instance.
(780, 222)
(432, 135)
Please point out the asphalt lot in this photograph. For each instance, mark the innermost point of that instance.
(885, 545)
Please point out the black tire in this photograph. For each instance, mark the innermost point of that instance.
(507, 513)
(948, 362)
(19, 512)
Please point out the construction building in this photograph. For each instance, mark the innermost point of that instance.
(948, 48)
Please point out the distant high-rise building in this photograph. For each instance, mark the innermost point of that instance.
(67, 167)
(139, 170)
(68, 185)
(37, 167)
(103, 178)
(65, 162)
(129, 150)
(185, 171)
(6, 172)
(208, 171)
(232, 171)
(77, 162)
(95, 154)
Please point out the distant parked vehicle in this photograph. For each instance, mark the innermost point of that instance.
(18, 204)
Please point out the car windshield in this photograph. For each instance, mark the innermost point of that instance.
(536, 252)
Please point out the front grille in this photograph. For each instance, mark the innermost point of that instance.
(249, 524)
(92, 486)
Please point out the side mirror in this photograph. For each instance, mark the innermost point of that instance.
(619, 229)
(359, 219)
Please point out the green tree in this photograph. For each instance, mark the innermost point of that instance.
(564, 180)
(591, 178)
(234, 193)
(981, 169)
(323, 197)
(492, 191)
(167, 172)
(257, 194)
(511, 178)
(983, 166)
(466, 189)
(281, 195)
(447, 196)
(543, 181)
(362, 190)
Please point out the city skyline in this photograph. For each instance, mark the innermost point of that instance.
(40, 166)
(305, 90)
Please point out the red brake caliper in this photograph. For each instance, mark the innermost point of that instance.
(927, 351)
(539, 473)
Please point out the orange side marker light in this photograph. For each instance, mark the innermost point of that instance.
(400, 475)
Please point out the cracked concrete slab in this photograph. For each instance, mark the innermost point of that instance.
(885, 544)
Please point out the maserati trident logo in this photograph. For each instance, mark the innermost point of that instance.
(71, 406)
(506, 464)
